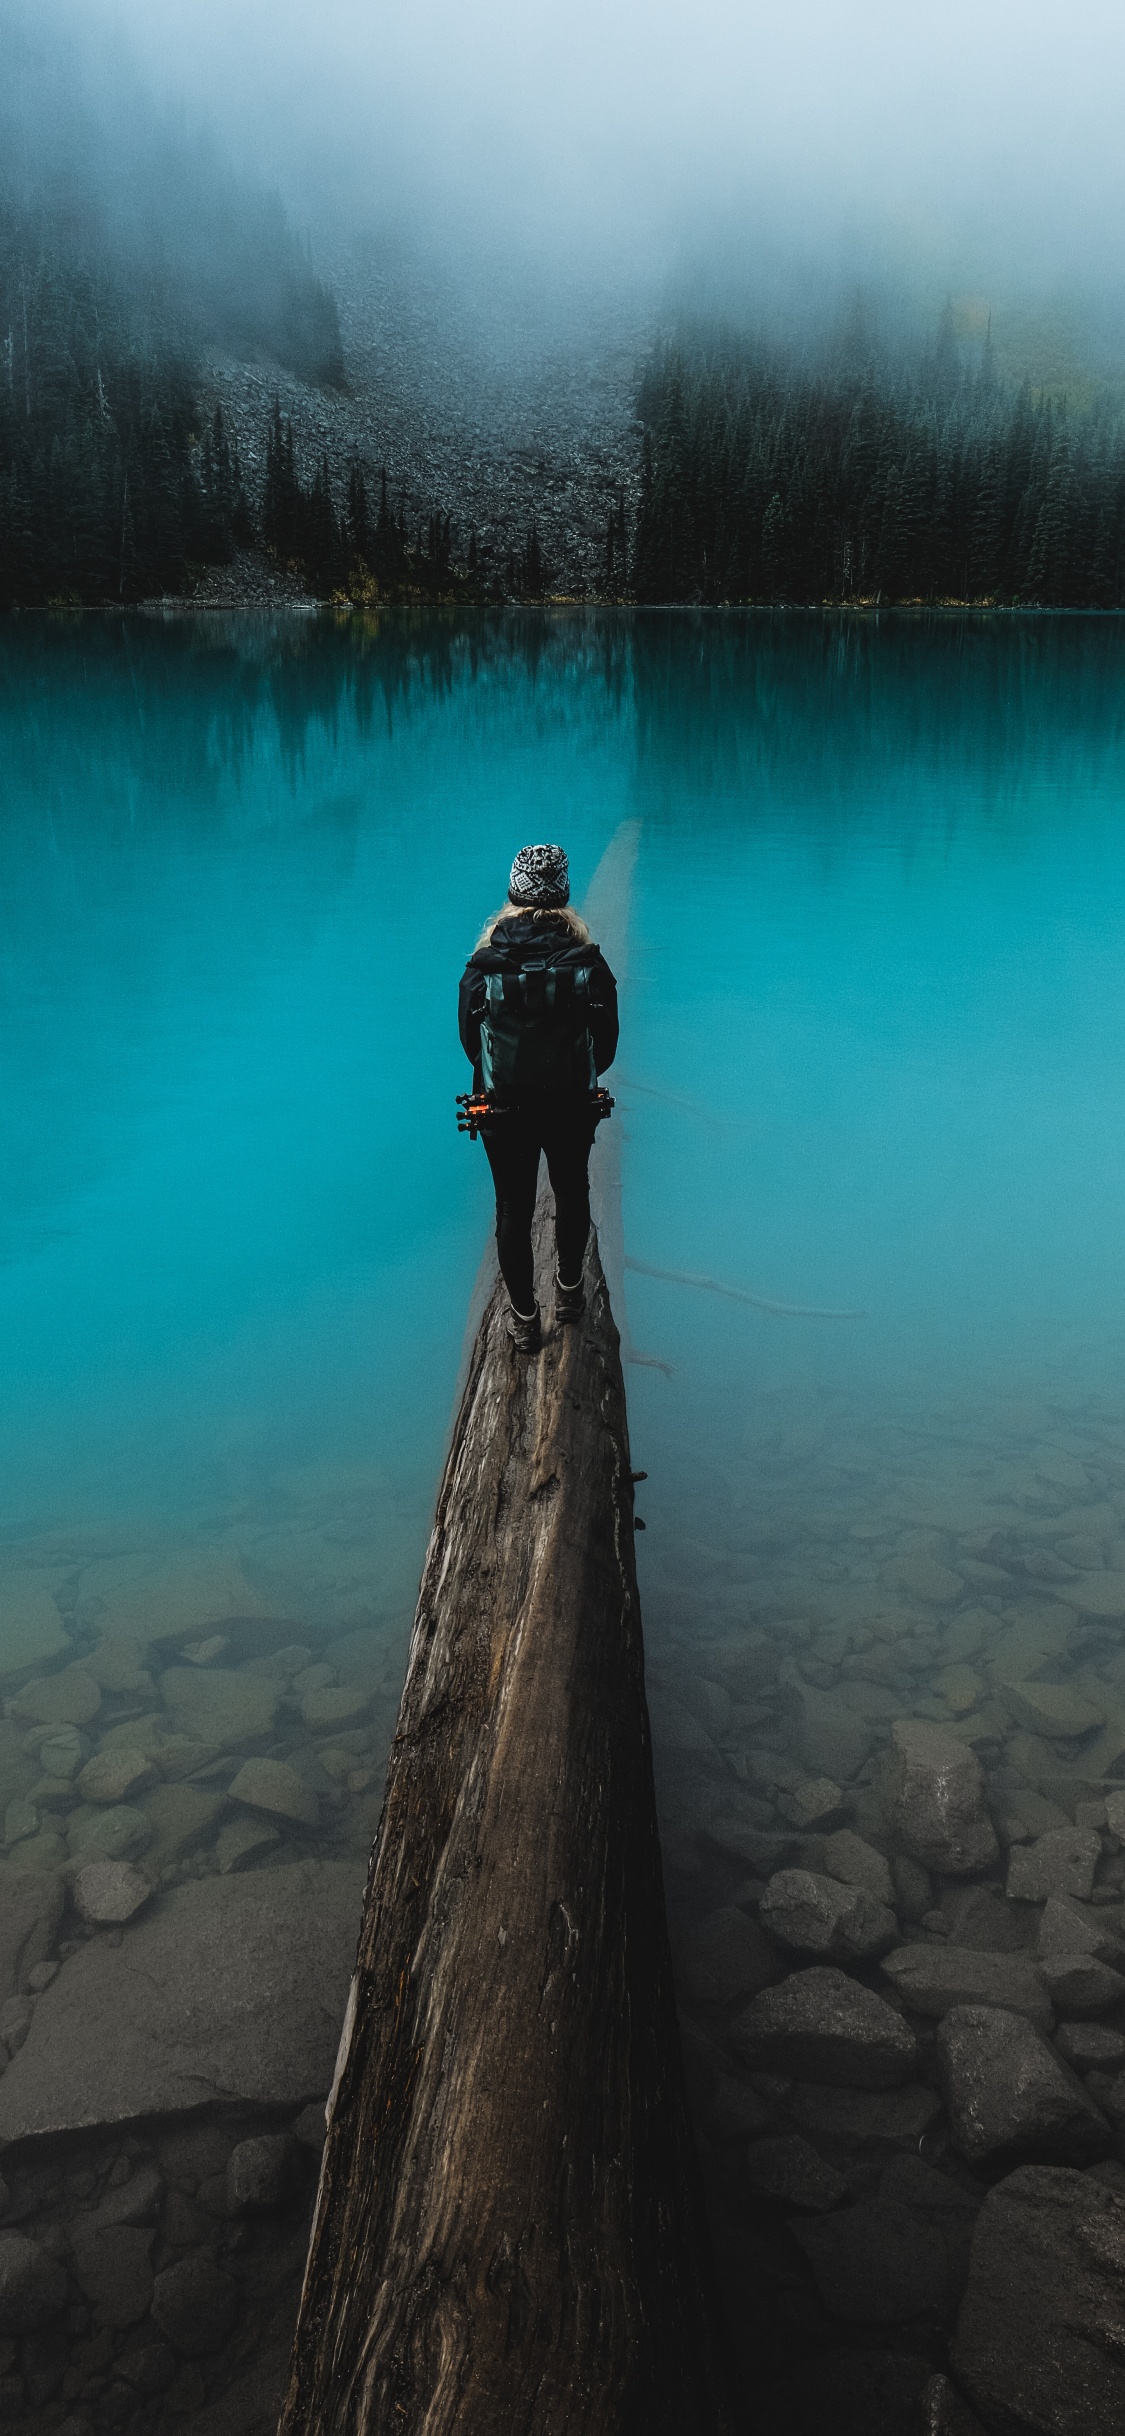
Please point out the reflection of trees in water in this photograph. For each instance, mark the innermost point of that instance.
(859, 715)
(123, 721)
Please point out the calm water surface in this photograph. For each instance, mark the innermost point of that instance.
(873, 1061)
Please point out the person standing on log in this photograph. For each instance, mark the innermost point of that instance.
(538, 1018)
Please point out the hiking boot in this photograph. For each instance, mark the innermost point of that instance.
(525, 1332)
(570, 1301)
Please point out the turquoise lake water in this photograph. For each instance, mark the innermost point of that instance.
(873, 1061)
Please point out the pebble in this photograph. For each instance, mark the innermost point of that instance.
(1008, 2094)
(727, 1958)
(112, 1775)
(933, 1790)
(846, 1856)
(261, 2172)
(1061, 1862)
(269, 1784)
(32, 2285)
(932, 1978)
(1040, 2339)
(243, 1841)
(1052, 1709)
(789, 2170)
(815, 1802)
(1081, 1959)
(1090, 2046)
(195, 2305)
(108, 1835)
(69, 1698)
(878, 2264)
(108, 1893)
(816, 1915)
(819, 2025)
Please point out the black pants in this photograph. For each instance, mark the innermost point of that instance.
(514, 1142)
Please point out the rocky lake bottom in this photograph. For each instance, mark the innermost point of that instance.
(887, 1683)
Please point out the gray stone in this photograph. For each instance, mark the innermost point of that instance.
(114, 2271)
(32, 2285)
(216, 1705)
(234, 1989)
(1053, 1709)
(112, 1775)
(790, 2172)
(268, 1784)
(134, 2202)
(70, 1698)
(819, 2025)
(945, 2412)
(180, 1818)
(108, 1835)
(978, 1916)
(726, 1958)
(1040, 2340)
(31, 1906)
(195, 2305)
(855, 1863)
(933, 1791)
(108, 1893)
(1090, 2046)
(1061, 1863)
(1082, 1962)
(894, 2120)
(879, 2263)
(243, 1841)
(931, 1978)
(914, 1892)
(1009, 2095)
(261, 2173)
(61, 1750)
(310, 2127)
(832, 1741)
(815, 1802)
(818, 1915)
(334, 1705)
(734, 2110)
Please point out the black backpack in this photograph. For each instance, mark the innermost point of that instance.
(535, 1028)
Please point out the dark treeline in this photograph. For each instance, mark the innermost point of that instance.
(859, 479)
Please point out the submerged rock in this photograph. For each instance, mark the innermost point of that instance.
(268, 1784)
(195, 2305)
(1040, 2341)
(932, 1978)
(892, 2119)
(218, 1706)
(32, 2285)
(1008, 2093)
(1059, 1863)
(1053, 1709)
(112, 1775)
(726, 1957)
(234, 1989)
(819, 2025)
(812, 1914)
(1090, 2046)
(1081, 1960)
(846, 1856)
(261, 2172)
(31, 1906)
(789, 2171)
(71, 1698)
(108, 1893)
(879, 2263)
(934, 1796)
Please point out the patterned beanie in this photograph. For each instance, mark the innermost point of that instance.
(540, 875)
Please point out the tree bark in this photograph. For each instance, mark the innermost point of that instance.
(508, 2238)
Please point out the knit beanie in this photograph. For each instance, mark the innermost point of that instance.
(540, 875)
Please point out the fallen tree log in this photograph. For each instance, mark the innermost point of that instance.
(508, 2239)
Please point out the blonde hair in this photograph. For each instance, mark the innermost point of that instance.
(537, 913)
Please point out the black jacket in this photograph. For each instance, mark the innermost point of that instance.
(516, 938)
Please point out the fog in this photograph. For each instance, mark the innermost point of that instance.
(975, 142)
(728, 154)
